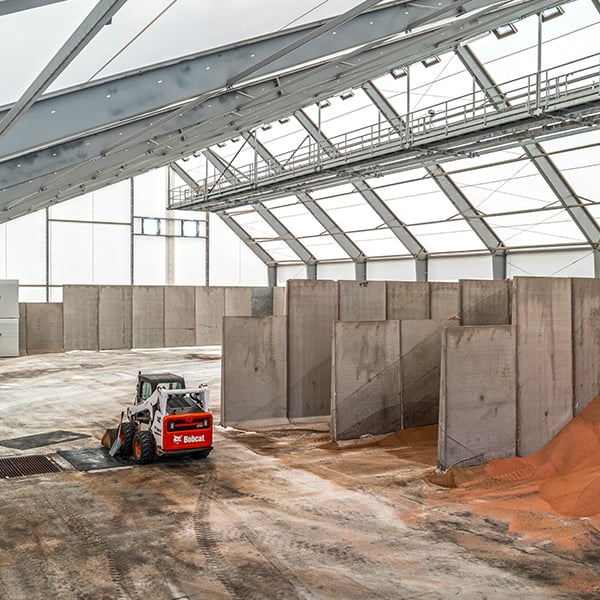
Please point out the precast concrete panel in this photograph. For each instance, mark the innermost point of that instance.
(238, 301)
(443, 298)
(420, 343)
(407, 300)
(586, 341)
(44, 327)
(478, 395)
(115, 317)
(542, 315)
(279, 301)
(22, 329)
(210, 310)
(254, 372)
(312, 310)
(148, 304)
(180, 316)
(366, 394)
(484, 302)
(80, 306)
(262, 302)
(362, 300)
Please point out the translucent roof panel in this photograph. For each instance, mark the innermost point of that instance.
(351, 212)
(280, 251)
(448, 236)
(378, 242)
(298, 220)
(536, 229)
(324, 247)
(339, 117)
(515, 186)
(418, 201)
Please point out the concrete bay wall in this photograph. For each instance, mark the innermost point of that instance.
(407, 300)
(44, 327)
(148, 318)
(115, 317)
(80, 309)
(362, 300)
(478, 413)
(180, 316)
(366, 391)
(485, 302)
(542, 313)
(312, 309)
(443, 300)
(254, 371)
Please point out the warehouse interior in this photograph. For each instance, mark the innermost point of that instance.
(371, 228)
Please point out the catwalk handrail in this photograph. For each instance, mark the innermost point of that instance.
(531, 94)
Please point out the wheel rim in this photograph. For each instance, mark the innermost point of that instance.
(137, 447)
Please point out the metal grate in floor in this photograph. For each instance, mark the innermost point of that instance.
(20, 466)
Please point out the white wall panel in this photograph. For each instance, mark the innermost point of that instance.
(290, 272)
(150, 192)
(25, 247)
(149, 260)
(77, 209)
(3, 251)
(71, 253)
(231, 262)
(190, 261)
(575, 263)
(33, 294)
(110, 242)
(113, 204)
(336, 271)
(460, 267)
(391, 270)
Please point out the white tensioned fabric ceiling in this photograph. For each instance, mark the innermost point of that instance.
(339, 131)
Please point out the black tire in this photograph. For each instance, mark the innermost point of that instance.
(203, 453)
(143, 447)
(126, 435)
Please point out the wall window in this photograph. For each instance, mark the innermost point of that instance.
(190, 228)
(150, 226)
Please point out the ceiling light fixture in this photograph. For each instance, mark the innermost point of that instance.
(552, 13)
(347, 95)
(503, 31)
(284, 120)
(324, 104)
(266, 127)
(222, 144)
(399, 72)
(432, 60)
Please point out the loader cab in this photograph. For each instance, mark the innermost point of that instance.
(147, 383)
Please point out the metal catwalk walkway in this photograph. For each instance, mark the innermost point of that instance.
(535, 107)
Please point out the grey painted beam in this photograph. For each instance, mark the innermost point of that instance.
(483, 231)
(383, 104)
(13, 6)
(81, 37)
(482, 77)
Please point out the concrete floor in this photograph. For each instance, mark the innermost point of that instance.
(270, 514)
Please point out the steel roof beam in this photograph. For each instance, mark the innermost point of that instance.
(81, 37)
(12, 6)
(383, 105)
(280, 229)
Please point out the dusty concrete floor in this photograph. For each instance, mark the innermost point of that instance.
(277, 514)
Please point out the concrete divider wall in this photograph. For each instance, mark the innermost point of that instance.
(180, 316)
(543, 318)
(262, 302)
(362, 300)
(279, 302)
(80, 310)
(115, 317)
(420, 343)
(484, 302)
(443, 299)
(254, 371)
(312, 309)
(586, 341)
(238, 302)
(210, 310)
(407, 300)
(148, 304)
(477, 413)
(44, 327)
(22, 329)
(366, 392)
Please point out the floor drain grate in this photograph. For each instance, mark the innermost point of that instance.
(20, 466)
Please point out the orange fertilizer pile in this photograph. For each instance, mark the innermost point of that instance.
(567, 468)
